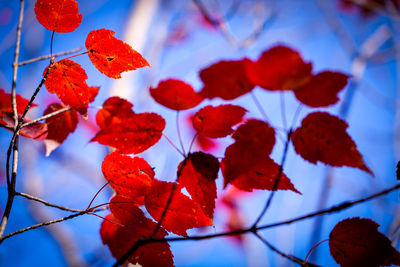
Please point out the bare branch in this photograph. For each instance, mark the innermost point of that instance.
(46, 202)
(50, 115)
(49, 56)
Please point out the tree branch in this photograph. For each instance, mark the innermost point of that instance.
(45, 117)
(49, 56)
(46, 202)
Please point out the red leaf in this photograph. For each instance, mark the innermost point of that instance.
(357, 242)
(198, 175)
(183, 213)
(279, 68)
(133, 135)
(262, 175)
(115, 110)
(5, 103)
(175, 94)
(59, 126)
(129, 177)
(93, 91)
(321, 90)
(254, 141)
(58, 15)
(323, 137)
(112, 56)
(68, 80)
(217, 121)
(225, 79)
(120, 238)
(37, 131)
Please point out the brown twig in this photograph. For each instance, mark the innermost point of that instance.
(50, 115)
(46, 202)
(49, 56)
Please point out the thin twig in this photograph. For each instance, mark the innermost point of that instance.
(45, 117)
(178, 130)
(46, 202)
(49, 56)
(276, 181)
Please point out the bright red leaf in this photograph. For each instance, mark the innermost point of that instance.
(175, 94)
(5, 103)
(254, 141)
(279, 68)
(129, 177)
(133, 135)
(68, 80)
(357, 242)
(112, 56)
(217, 121)
(262, 175)
(125, 226)
(59, 126)
(183, 213)
(198, 174)
(323, 137)
(322, 89)
(115, 110)
(58, 15)
(226, 80)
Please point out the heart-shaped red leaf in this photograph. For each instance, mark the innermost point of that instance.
(322, 89)
(198, 174)
(217, 121)
(182, 214)
(112, 56)
(226, 80)
(133, 135)
(125, 226)
(58, 15)
(323, 137)
(67, 79)
(59, 126)
(175, 94)
(279, 68)
(130, 177)
(115, 110)
(357, 242)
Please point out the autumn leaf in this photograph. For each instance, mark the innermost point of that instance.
(133, 135)
(125, 226)
(67, 79)
(129, 177)
(115, 110)
(261, 175)
(323, 137)
(110, 55)
(183, 213)
(357, 242)
(37, 131)
(198, 174)
(5, 103)
(279, 68)
(175, 94)
(59, 126)
(254, 141)
(322, 89)
(58, 15)
(217, 121)
(226, 80)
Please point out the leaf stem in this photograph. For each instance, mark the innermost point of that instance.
(179, 133)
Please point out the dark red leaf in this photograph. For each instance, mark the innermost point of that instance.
(217, 121)
(133, 135)
(323, 137)
(37, 131)
(59, 126)
(129, 177)
(226, 80)
(262, 175)
(68, 80)
(279, 68)
(198, 174)
(321, 90)
(254, 141)
(112, 56)
(115, 110)
(58, 15)
(175, 94)
(183, 213)
(357, 242)
(125, 226)
(5, 103)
